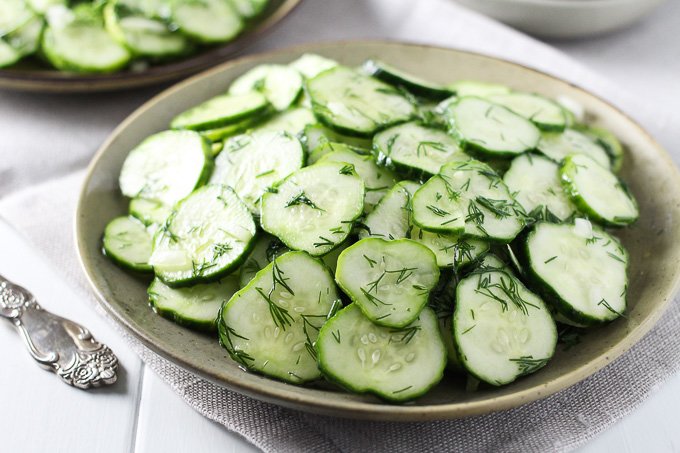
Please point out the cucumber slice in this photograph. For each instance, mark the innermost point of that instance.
(580, 268)
(207, 236)
(557, 146)
(390, 218)
(356, 104)
(390, 281)
(280, 84)
(128, 244)
(316, 135)
(490, 129)
(310, 65)
(450, 250)
(609, 142)
(501, 329)
(220, 111)
(415, 85)
(41, 6)
(320, 151)
(416, 149)
(207, 21)
(442, 300)
(293, 121)
(83, 45)
(195, 307)
(140, 34)
(20, 42)
(314, 208)
(8, 55)
(271, 325)
(377, 180)
(393, 364)
(251, 164)
(166, 167)
(464, 88)
(13, 14)
(149, 212)
(535, 183)
(266, 249)
(598, 192)
(543, 112)
(224, 132)
(249, 8)
(468, 197)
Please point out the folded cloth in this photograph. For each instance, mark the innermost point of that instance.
(44, 213)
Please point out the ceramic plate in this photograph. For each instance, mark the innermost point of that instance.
(565, 18)
(35, 76)
(652, 242)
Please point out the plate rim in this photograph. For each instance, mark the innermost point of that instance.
(360, 409)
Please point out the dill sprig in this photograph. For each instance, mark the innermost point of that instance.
(527, 364)
(405, 334)
(279, 315)
(302, 199)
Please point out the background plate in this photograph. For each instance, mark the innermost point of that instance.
(652, 242)
(32, 75)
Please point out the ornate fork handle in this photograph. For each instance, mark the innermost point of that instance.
(56, 343)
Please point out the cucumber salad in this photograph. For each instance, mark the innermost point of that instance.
(101, 36)
(377, 230)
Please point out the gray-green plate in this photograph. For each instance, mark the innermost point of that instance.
(652, 242)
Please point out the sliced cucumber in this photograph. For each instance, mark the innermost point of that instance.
(390, 281)
(413, 84)
(195, 307)
(311, 65)
(221, 133)
(207, 21)
(390, 218)
(314, 208)
(416, 149)
(166, 167)
(490, 129)
(543, 112)
(598, 192)
(557, 146)
(149, 212)
(13, 14)
(207, 236)
(42, 6)
(468, 197)
(83, 45)
(501, 329)
(221, 111)
(394, 364)
(535, 183)
(580, 268)
(249, 8)
(140, 34)
(251, 164)
(450, 250)
(320, 151)
(293, 121)
(356, 104)
(266, 249)
(271, 325)
(8, 54)
(464, 88)
(442, 300)
(608, 141)
(280, 84)
(128, 244)
(316, 135)
(377, 180)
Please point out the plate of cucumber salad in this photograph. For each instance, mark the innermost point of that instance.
(382, 230)
(93, 45)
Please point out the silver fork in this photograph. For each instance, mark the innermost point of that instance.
(57, 344)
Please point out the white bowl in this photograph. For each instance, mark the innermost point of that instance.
(564, 18)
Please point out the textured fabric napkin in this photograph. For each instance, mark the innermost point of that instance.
(76, 125)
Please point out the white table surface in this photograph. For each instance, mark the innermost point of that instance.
(142, 414)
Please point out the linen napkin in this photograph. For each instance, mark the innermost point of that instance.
(561, 422)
